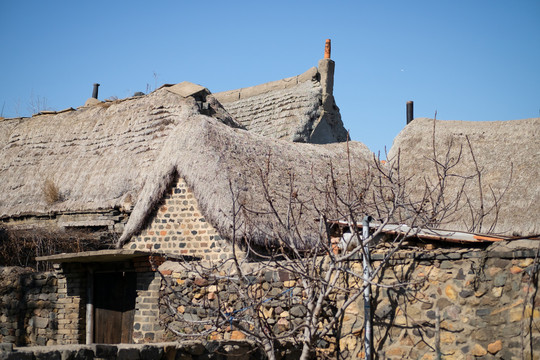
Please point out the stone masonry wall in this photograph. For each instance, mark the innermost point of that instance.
(146, 325)
(459, 304)
(28, 314)
(178, 227)
(71, 304)
(186, 350)
(188, 299)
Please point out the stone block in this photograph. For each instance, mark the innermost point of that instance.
(149, 352)
(18, 356)
(48, 355)
(128, 354)
(495, 347)
(478, 350)
(105, 351)
(451, 292)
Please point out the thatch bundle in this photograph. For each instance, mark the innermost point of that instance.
(492, 172)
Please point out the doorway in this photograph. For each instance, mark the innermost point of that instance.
(114, 307)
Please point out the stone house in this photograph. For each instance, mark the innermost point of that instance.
(161, 177)
(156, 177)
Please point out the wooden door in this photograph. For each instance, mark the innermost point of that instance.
(114, 307)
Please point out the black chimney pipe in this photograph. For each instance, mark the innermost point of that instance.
(410, 113)
(95, 92)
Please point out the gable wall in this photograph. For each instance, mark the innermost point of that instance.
(178, 227)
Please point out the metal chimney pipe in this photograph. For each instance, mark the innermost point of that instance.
(410, 112)
(327, 49)
(95, 92)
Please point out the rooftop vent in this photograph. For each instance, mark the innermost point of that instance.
(410, 113)
(95, 92)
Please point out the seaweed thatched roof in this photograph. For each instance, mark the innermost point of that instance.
(97, 157)
(506, 154)
(300, 108)
(125, 154)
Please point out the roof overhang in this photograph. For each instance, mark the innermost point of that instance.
(458, 237)
(112, 255)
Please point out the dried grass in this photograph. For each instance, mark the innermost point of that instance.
(20, 247)
(51, 193)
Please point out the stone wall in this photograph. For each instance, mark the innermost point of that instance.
(178, 227)
(146, 325)
(71, 304)
(461, 304)
(190, 300)
(456, 303)
(187, 350)
(28, 314)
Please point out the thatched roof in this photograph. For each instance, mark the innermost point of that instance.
(299, 108)
(221, 163)
(97, 157)
(507, 154)
(125, 154)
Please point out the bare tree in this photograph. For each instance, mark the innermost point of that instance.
(37, 103)
(318, 263)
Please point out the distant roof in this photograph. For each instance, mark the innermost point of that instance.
(506, 154)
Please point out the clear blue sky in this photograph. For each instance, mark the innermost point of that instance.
(467, 60)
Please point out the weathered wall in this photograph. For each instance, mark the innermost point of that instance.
(187, 350)
(50, 308)
(485, 305)
(71, 304)
(465, 304)
(39, 308)
(146, 325)
(28, 314)
(178, 227)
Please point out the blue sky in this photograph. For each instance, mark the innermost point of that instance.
(467, 60)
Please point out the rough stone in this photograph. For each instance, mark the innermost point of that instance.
(500, 279)
(451, 292)
(298, 311)
(443, 302)
(466, 293)
(48, 355)
(128, 354)
(495, 347)
(237, 335)
(478, 350)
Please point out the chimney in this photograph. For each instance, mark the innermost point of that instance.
(326, 70)
(95, 92)
(410, 113)
(327, 49)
